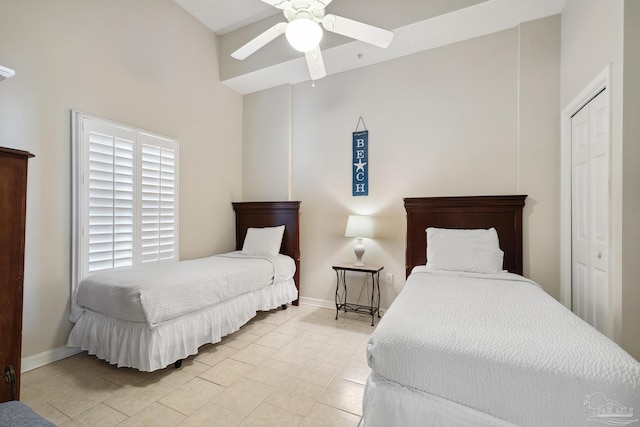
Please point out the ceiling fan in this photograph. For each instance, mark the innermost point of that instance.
(304, 33)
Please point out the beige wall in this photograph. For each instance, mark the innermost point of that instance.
(539, 149)
(442, 122)
(146, 63)
(595, 34)
(267, 144)
(630, 336)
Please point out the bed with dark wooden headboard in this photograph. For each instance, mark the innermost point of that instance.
(460, 346)
(270, 214)
(504, 213)
(112, 333)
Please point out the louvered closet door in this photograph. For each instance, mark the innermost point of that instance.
(590, 213)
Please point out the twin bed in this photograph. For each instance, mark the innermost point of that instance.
(466, 344)
(152, 316)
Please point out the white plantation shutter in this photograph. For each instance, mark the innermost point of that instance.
(125, 184)
(158, 200)
(111, 193)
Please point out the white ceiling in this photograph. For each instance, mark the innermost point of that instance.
(418, 25)
(223, 16)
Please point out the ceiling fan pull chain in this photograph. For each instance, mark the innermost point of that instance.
(360, 119)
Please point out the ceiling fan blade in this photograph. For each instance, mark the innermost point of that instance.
(315, 64)
(260, 41)
(357, 30)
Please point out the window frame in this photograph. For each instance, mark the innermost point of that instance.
(80, 186)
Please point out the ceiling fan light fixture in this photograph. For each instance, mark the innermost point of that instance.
(303, 34)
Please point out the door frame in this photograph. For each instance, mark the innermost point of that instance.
(601, 82)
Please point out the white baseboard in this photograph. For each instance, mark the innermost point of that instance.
(314, 302)
(46, 357)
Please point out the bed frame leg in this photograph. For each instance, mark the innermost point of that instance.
(284, 306)
(178, 364)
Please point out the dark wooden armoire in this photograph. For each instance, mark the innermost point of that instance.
(13, 202)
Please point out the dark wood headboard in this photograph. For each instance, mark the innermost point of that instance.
(271, 214)
(504, 213)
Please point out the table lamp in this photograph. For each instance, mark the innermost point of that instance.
(359, 226)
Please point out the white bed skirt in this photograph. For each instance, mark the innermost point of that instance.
(386, 403)
(135, 345)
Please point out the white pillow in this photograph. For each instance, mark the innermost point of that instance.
(475, 251)
(263, 241)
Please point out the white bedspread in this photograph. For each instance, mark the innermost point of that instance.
(161, 292)
(500, 345)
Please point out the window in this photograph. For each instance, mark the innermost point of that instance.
(125, 195)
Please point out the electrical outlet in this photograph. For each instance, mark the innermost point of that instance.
(389, 278)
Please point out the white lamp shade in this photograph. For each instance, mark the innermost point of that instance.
(303, 34)
(359, 226)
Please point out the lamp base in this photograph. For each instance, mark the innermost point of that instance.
(359, 251)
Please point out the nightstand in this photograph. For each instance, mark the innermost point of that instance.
(370, 272)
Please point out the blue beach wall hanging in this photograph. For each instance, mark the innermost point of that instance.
(360, 166)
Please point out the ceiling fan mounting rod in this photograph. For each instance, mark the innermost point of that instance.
(304, 14)
(304, 9)
(300, 4)
(317, 5)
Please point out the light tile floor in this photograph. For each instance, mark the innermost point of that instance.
(294, 367)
